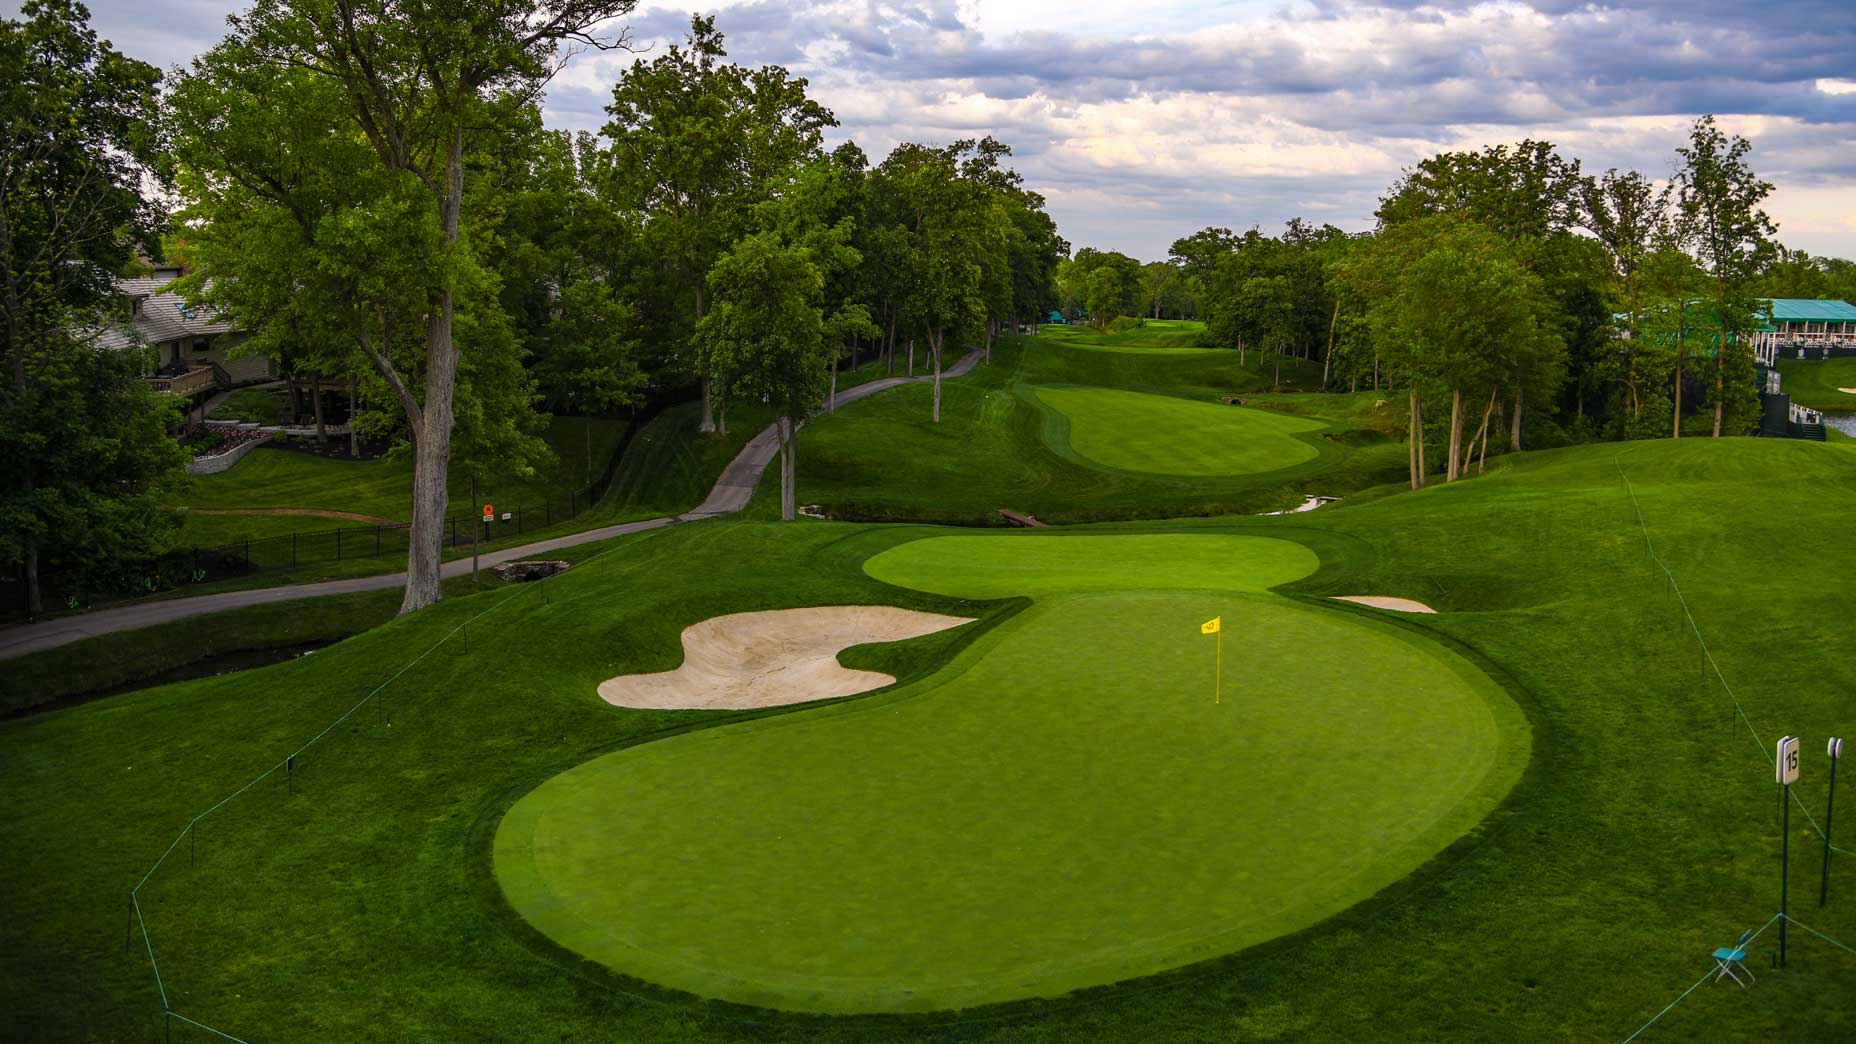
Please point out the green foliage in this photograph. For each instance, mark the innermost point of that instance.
(83, 446)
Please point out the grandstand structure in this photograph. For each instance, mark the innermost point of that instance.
(1804, 328)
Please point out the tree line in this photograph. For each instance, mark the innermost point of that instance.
(1505, 283)
(367, 189)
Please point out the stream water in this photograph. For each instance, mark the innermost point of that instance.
(1843, 422)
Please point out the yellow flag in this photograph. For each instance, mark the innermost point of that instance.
(1211, 626)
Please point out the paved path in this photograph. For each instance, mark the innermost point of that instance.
(731, 493)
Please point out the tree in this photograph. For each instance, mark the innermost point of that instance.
(694, 144)
(1268, 303)
(1718, 211)
(1158, 279)
(1459, 312)
(419, 80)
(950, 222)
(765, 333)
(1628, 216)
(85, 441)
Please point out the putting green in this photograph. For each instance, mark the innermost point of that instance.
(1160, 434)
(1061, 806)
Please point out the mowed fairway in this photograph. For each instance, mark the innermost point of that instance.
(1163, 435)
(1060, 806)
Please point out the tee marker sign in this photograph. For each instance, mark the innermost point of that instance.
(1786, 772)
(489, 512)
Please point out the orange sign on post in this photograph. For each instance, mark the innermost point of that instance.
(489, 512)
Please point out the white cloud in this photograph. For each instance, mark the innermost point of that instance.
(1144, 122)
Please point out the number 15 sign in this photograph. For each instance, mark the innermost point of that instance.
(1786, 772)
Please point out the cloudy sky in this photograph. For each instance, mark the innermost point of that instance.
(1144, 120)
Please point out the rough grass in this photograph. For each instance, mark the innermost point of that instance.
(999, 446)
(269, 478)
(671, 463)
(1163, 435)
(1643, 834)
(1818, 384)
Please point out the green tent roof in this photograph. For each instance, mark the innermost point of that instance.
(1806, 310)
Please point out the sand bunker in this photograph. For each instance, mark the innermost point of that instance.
(1397, 605)
(1847, 391)
(771, 659)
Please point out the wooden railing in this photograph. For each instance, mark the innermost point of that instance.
(187, 383)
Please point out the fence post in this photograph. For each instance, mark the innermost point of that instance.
(573, 503)
(454, 531)
(248, 563)
(518, 521)
(376, 541)
(547, 507)
(338, 545)
(293, 549)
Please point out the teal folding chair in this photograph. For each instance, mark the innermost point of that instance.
(1729, 957)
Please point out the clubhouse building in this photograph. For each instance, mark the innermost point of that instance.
(1801, 328)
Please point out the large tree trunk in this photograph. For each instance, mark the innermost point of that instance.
(934, 350)
(354, 402)
(1720, 379)
(1327, 358)
(831, 400)
(1415, 442)
(35, 598)
(911, 357)
(787, 471)
(708, 405)
(1456, 434)
(1514, 433)
(1677, 433)
(432, 436)
(1481, 435)
(889, 349)
(991, 325)
(315, 395)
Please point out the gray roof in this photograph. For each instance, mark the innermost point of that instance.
(160, 316)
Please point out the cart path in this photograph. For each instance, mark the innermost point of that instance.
(731, 493)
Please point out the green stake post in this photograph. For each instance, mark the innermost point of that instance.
(1785, 772)
(1835, 749)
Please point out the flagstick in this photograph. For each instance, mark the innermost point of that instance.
(1218, 679)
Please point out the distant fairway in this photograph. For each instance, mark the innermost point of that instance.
(1164, 435)
(1060, 806)
(1819, 384)
(1159, 337)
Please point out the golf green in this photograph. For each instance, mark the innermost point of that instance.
(1062, 805)
(1160, 434)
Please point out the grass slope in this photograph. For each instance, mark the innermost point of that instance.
(382, 488)
(1818, 384)
(1000, 446)
(1162, 435)
(1643, 834)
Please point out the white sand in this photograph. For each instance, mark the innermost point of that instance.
(1847, 391)
(1397, 605)
(771, 659)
